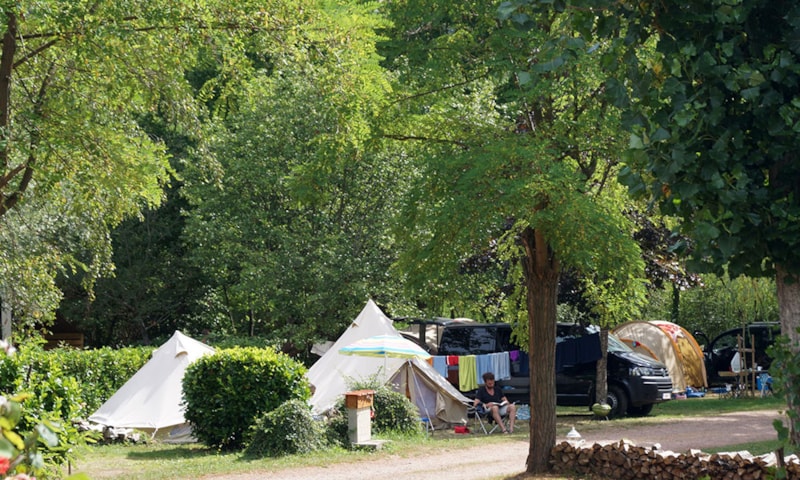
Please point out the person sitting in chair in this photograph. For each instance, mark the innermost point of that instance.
(493, 400)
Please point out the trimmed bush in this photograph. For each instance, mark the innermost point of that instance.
(67, 382)
(101, 372)
(287, 430)
(226, 392)
(394, 412)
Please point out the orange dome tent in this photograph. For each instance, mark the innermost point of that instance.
(670, 344)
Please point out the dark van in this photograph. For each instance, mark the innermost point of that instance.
(718, 353)
(635, 382)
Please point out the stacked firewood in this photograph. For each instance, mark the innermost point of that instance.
(625, 461)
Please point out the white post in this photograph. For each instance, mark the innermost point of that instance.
(359, 408)
(359, 425)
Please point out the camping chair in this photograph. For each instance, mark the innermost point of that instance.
(485, 420)
(764, 384)
(428, 424)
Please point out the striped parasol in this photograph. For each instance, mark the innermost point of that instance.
(386, 346)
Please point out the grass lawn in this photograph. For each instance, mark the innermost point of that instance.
(161, 461)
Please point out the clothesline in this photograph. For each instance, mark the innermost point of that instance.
(467, 370)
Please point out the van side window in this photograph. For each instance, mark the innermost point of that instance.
(725, 342)
(456, 342)
(504, 340)
(482, 340)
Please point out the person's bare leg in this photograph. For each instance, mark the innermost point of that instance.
(497, 418)
(512, 416)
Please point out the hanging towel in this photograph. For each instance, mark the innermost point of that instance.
(484, 364)
(501, 365)
(467, 373)
(452, 360)
(440, 365)
(452, 375)
(514, 355)
(523, 363)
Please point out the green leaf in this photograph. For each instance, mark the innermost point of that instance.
(550, 66)
(505, 10)
(635, 142)
(750, 93)
(660, 134)
(7, 449)
(48, 436)
(705, 232)
(617, 92)
(14, 438)
(727, 244)
(684, 117)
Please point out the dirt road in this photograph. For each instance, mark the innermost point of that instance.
(497, 460)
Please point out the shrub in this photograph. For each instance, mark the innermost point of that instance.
(100, 372)
(336, 428)
(225, 392)
(287, 430)
(394, 412)
(70, 382)
(36, 441)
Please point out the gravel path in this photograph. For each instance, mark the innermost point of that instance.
(497, 460)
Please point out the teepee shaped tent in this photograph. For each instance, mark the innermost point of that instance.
(435, 398)
(151, 399)
(329, 375)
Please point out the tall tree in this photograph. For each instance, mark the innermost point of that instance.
(75, 76)
(290, 209)
(717, 142)
(518, 148)
(154, 289)
(715, 115)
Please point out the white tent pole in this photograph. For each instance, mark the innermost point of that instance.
(416, 383)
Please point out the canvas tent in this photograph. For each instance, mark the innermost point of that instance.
(329, 376)
(670, 344)
(435, 398)
(151, 400)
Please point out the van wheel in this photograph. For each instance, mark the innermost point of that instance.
(641, 410)
(618, 401)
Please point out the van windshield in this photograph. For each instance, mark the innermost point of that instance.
(615, 345)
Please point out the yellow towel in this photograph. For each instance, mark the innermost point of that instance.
(467, 373)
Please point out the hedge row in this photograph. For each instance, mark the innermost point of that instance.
(70, 383)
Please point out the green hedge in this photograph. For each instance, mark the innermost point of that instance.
(226, 392)
(69, 383)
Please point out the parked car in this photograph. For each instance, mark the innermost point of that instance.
(426, 332)
(635, 382)
(718, 353)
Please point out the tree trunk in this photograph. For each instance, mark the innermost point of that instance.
(789, 303)
(676, 303)
(541, 281)
(601, 372)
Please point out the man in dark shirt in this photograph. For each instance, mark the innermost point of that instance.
(492, 399)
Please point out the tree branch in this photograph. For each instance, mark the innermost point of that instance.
(426, 139)
(437, 90)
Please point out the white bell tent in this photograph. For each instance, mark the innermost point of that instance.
(151, 400)
(435, 398)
